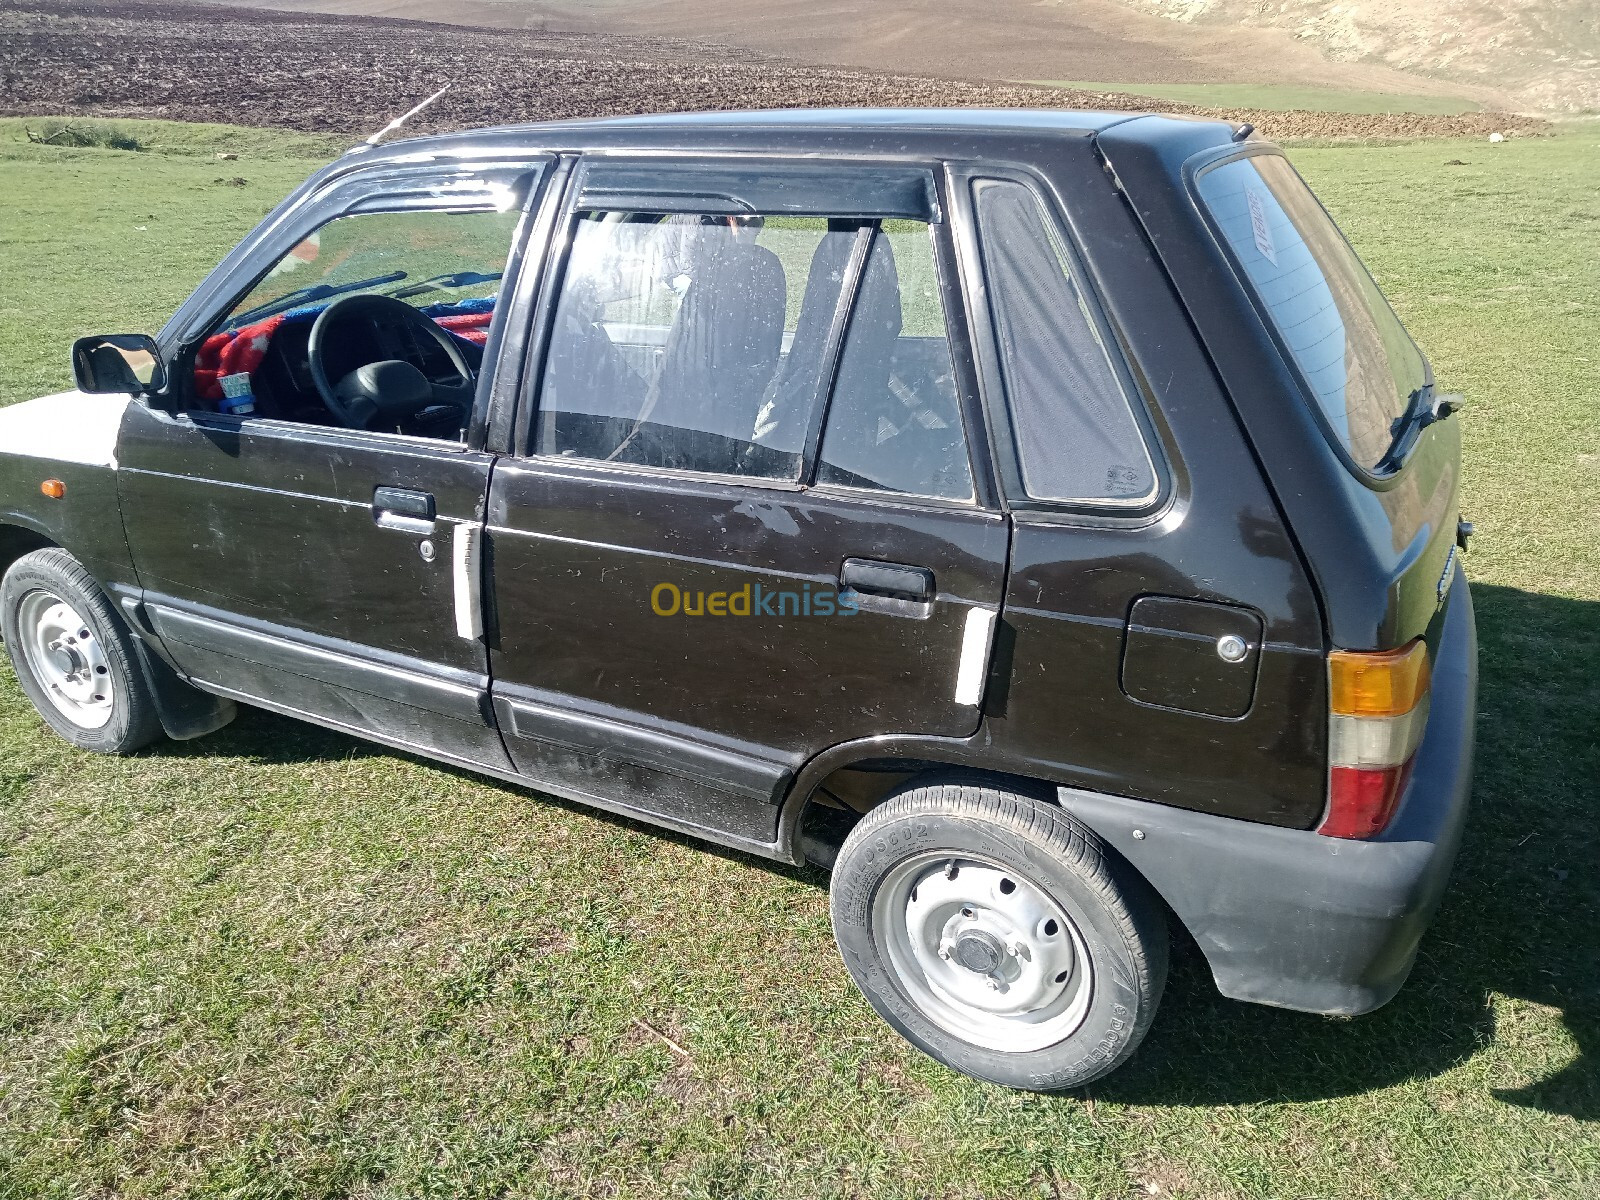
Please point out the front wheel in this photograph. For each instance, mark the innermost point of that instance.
(997, 934)
(73, 656)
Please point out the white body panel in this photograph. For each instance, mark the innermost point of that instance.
(69, 427)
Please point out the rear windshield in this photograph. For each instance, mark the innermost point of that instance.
(1360, 365)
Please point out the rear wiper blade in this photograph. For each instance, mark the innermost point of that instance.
(306, 295)
(1424, 407)
(439, 283)
(1427, 406)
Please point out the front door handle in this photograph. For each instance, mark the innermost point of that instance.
(403, 509)
(895, 588)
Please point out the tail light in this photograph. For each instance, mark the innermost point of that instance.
(1379, 709)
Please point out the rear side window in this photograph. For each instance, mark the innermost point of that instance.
(1077, 438)
(1359, 364)
(673, 333)
(706, 343)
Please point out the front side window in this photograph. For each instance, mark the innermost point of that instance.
(421, 257)
(1077, 438)
(1359, 364)
(894, 422)
(431, 279)
(677, 336)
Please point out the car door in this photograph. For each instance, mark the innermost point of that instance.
(743, 525)
(329, 572)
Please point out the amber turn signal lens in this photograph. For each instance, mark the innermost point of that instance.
(1387, 684)
(53, 488)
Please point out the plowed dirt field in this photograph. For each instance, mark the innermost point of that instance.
(352, 74)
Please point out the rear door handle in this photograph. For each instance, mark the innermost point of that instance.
(888, 587)
(403, 509)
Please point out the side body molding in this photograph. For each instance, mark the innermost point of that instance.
(671, 771)
(426, 707)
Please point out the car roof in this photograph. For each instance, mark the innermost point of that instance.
(831, 119)
(863, 128)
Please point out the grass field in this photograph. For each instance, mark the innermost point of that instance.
(1277, 97)
(278, 962)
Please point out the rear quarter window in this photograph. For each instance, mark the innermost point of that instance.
(1358, 363)
(1077, 438)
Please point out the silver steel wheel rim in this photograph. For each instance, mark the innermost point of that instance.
(984, 952)
(65, 655)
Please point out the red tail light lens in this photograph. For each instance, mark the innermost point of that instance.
(1362, 800)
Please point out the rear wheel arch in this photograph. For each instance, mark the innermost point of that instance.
(813, 835)
(815, 838)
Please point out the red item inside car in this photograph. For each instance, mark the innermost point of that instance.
(235, 350)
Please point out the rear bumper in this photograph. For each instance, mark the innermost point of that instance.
(1293, 919)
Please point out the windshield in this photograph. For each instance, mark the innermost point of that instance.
(1358, 362)
(420, 257)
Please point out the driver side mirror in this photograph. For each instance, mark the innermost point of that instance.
(118, 362)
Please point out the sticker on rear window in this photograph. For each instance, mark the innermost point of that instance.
(1259, 226)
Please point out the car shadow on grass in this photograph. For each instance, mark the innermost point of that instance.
(1521, 918)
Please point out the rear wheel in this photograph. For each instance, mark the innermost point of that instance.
(997, 934)
(73, 656)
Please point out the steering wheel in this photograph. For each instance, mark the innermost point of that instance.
(392, 389)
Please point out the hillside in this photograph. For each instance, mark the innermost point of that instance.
(324, 73)
(986, 39)
(1546, 53)
(1519, 54)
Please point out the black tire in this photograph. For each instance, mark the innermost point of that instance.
(133, 721)
(1120, 925)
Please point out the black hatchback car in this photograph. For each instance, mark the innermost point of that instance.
(1039, 518)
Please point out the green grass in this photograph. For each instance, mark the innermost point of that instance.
(279, 962)
(1277, 97)
(73, 132)
(94, 237)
